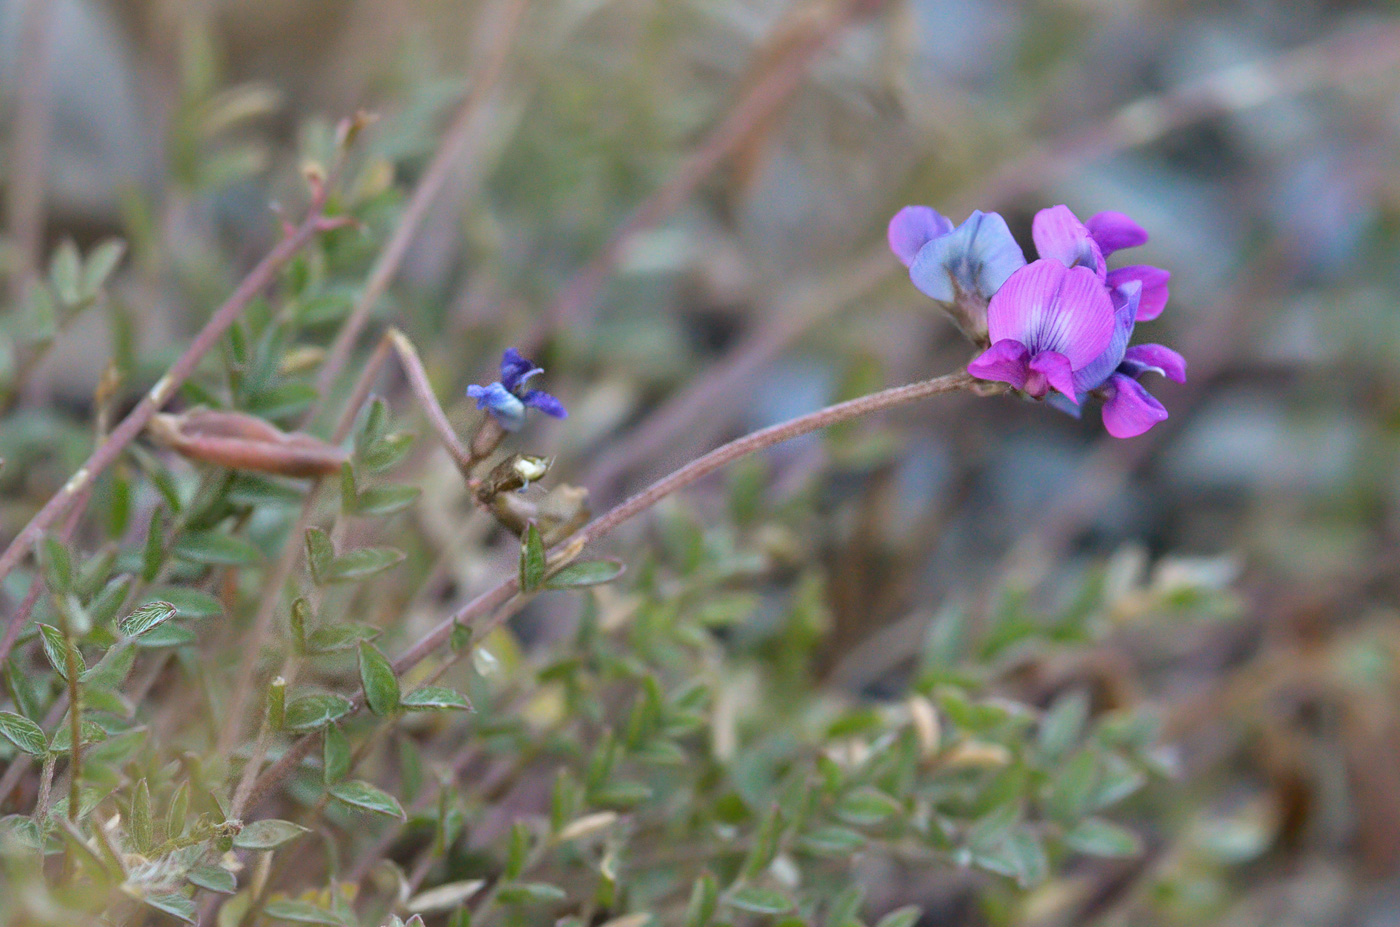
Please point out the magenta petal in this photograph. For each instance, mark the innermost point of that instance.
(1154, 287)
(1114, 231)
(1004, 362)
(1060, 236)
(1157, 357)
(912, 228)
(1049, 307)
(1131, 410)
(1057, 372)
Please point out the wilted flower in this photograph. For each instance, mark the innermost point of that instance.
(507, 398)
(241, 441)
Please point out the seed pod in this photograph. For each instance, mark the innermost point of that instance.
(243, 442)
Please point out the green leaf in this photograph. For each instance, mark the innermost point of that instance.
(361, 564)
(179, 807)
(866, 806)
(313, 712)
(319, 553)
(1073, 788)
(1027, 854)
(434, 698)
(387, 452)
(901, 917)
(142, 827)
(586, 573)
(704, 898)
(993, 828)
(177, 906)
(56, 649)
(1063, 724)
(23, 733)
(845, 906)
(300, 912)
(62, 741)
(167, 635)
(335, 754)
(268, 834)
(349, 493)
(517, 851)
(296, 623)
(65, 274)
(363, 795)
(385, 500)
(111, 671)
(832, 841)
(214, 879)
(532, 559)
(1097, 837)
(57, 565)
(284, 399)
(153, 551)
(103, 607)
(148, 616)
(759, 901)
(335, 637)
(101, 261)
(531, 893)
(189, 603)
(214, 548)
(377, 677)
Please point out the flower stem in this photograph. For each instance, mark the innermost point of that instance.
(505, 592)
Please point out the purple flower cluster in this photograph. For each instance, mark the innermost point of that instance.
(507, 398)
(1057, 325)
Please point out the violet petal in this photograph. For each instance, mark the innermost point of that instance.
(977, 257)
(500, 402)
(1004, 362)
(1056, 371)
(1130, 410)
(1158, 358)
(1154, 287)
(1114, 231)
(912, 228)
(515, 370)
(1049, 307)
(1125, 311)
(1059, 235)
(549, 405)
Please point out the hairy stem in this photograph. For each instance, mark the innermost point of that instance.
(75, 715)
(488, 603)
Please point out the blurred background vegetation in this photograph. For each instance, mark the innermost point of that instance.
(975, 656)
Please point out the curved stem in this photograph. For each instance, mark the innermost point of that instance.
(506, 591)
(690, 473)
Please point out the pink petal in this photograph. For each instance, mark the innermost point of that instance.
(1131, 410)
(1160, 358)
(1004, 362)
(1055, 370)
(1060, 236)
(1113, 231)
(1154, 287)
(1050, 307)
(912, 228)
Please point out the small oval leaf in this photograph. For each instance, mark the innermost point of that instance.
(267, 834)
(361, 794)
